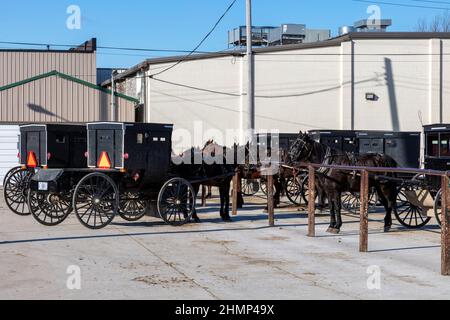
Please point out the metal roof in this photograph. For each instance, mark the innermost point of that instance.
(321, 44)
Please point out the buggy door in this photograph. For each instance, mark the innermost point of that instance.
(33, 140)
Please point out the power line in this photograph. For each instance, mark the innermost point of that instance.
(201, 42)
(49, 45)
(402, 5)
(431, 1)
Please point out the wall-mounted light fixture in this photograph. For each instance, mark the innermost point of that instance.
(371, 97)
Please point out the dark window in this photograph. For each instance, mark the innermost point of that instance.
(445, 145)
(433, 145)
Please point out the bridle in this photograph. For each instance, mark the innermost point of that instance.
(305, 148)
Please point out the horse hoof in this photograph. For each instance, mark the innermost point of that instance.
(334, 231)
(227, 219)
(197, 220)
(387, 228)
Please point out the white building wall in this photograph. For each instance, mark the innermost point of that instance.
(298, 90)
(400, 74)
(315, 88)
(203, 110)
(9, 139)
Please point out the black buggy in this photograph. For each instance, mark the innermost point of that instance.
(127, 173)
(43, 146)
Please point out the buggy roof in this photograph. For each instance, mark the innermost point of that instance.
(53, 127)
(437, 127)
(362, 134)
(125, 125)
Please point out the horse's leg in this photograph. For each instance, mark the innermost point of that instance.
(194, 213)
(338, 208)
(225, 189)
(278, 190)
(391, 192)
(222, 201)
(332, 215)
(384, 195)
(240, 200)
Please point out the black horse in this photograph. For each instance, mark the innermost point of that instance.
(334, 182)
(210, 169)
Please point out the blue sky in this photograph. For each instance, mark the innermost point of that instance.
(180, 24)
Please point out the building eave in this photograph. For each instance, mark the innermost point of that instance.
(334, 42)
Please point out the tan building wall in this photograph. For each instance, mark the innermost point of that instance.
(16, 66)
(57, 97)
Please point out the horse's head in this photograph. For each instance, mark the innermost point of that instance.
(301, 150)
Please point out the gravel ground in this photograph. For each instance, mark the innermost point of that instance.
(214, 260)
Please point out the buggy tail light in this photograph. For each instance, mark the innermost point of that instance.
(104, 162)
(126, 156)
(31, 160)
(86, 154)
(18, 155)
(49, 156)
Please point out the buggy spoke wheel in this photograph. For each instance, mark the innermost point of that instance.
(176, 202)
(352, 202)
(294, 190)
(305, 190)
(263, 185)
(96, 201)
(408, 214)
(49, 209)
(132, 208)
(15, 191)
(438, 207)
(249, 187)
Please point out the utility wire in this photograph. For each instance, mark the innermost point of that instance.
(402, 5)
(430, 1)
(49, 45)
(201, 42)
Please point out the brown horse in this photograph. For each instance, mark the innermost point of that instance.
(211, 170)
(334, 182)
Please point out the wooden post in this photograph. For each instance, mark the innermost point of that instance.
(203, 195)
(312, 202)
(235, 195)
(445, 240)
(270, 202)
(364, 218)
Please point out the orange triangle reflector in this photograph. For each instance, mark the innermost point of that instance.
(104, 162)
(31, 160)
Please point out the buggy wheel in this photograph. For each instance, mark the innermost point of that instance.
(408, 214)
(15, 191)
(8, 174)
(249, 187)
(438, 207)
(176, 202)
(131, 207)
(263, 184)
(49, 209)
(294, 190)
(352, 202)
(96, 201)
(305, 190)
